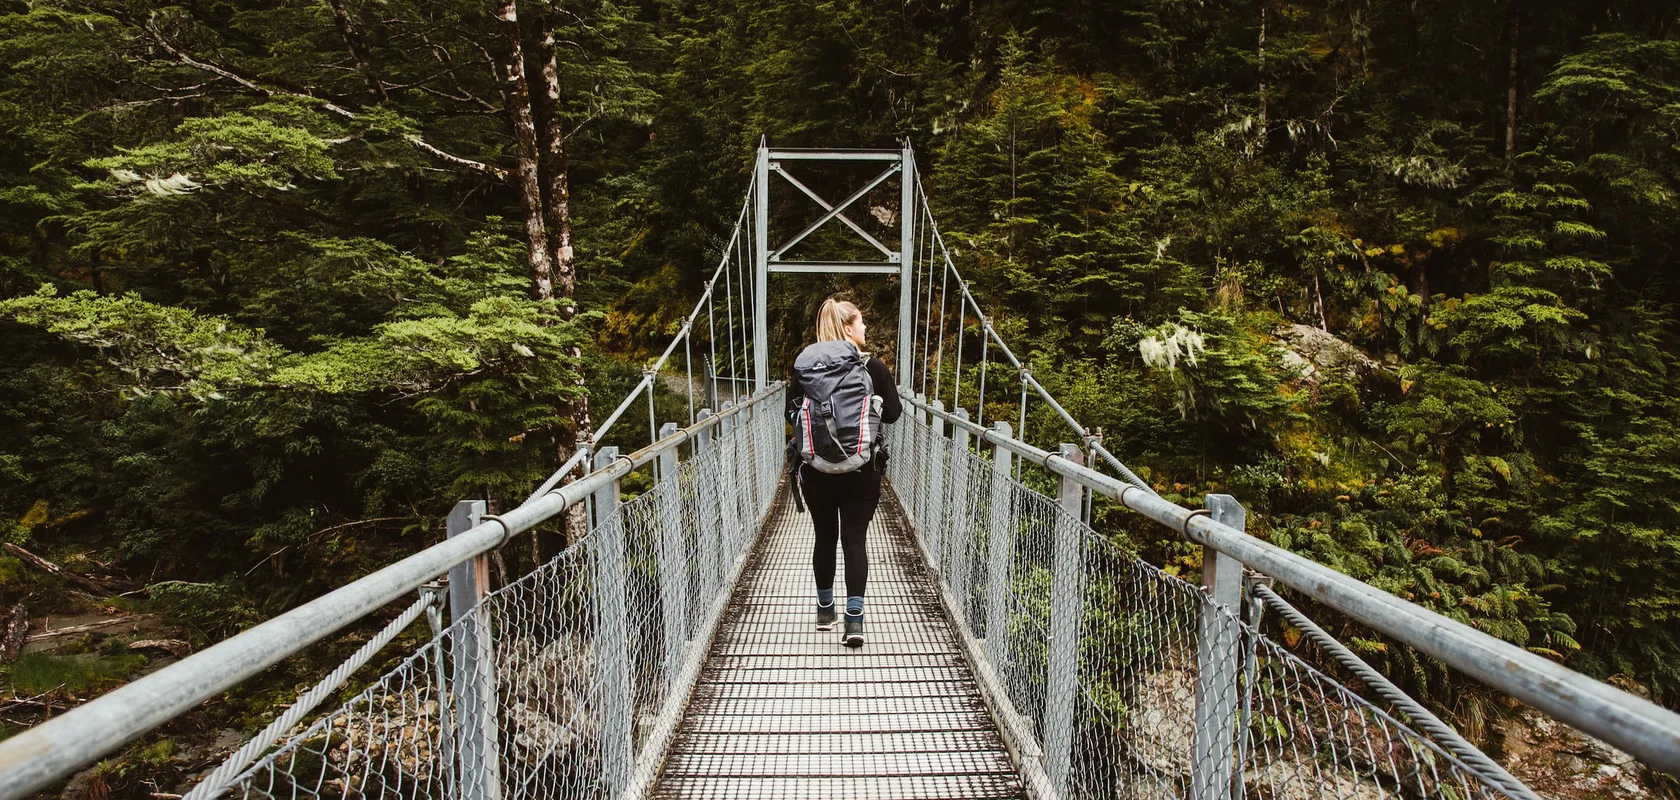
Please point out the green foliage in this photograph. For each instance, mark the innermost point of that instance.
(76, 674)
(238, 319)
(211, 610)
(1512, 325)
(153, 347)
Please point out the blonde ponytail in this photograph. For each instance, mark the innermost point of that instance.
(833, 318)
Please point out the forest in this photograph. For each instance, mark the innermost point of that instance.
(282, 280)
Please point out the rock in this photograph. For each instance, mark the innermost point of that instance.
(1280, 780)
(1156, 728)
(1559, 761)
(1316, 352)
(89, 784)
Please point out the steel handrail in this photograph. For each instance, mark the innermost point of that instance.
(1631, 723)
(51, 751)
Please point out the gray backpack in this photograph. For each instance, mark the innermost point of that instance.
(835, 427)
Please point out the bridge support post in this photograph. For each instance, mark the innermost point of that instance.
(729, 498)
(761, 268)
(612, 646)
(707, 508)
(961, 528)
(907, 217)
(1067, 606)
(746, 428)
(478, 759)
(937, 511)
(1218, 660)
(673, 565)
(1000, 554)
(919, 449)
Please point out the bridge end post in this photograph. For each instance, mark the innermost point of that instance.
(478, 759)
(673, 566)
(611, 633)
(907, 217)
(1218, 660)
(761, 268)
(1067, 605)
(1000, 554)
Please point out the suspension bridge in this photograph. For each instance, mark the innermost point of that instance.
(1012, 650)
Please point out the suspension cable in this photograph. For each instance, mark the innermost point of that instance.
(927, 319)
(729, 304)
(687, 329)
(956, 382)
(653, 424)
(711, 347)
(980, 404)
(939, 358)
(1023, 428)
(688, 369)
(915, 267)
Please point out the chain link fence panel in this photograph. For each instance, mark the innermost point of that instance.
(580, 655)
(1154, 657)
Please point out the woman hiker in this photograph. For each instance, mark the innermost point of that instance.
(840, 396)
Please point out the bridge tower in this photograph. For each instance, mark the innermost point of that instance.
(770, 259)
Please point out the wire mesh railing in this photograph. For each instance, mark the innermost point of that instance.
(554, 686)
(1132, 683)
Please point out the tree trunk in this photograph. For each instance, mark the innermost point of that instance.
(357, 48)
(1511, 92)
(557, 182)
(1263, 108)
(14, 628)
(525, 176)
(53, 569)
(558, 215)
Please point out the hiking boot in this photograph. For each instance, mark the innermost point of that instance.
(853, 637)
(825, 617)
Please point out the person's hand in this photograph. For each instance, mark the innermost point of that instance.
(875, 402)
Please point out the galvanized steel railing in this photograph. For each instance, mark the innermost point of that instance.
(1111, 678)
(564, 684)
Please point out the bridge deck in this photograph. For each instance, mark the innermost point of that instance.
(783, 710)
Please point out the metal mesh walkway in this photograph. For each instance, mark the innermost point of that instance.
(783, 710)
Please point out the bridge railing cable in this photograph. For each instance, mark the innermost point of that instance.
(1118, 679)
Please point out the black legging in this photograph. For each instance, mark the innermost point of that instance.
(841, 507)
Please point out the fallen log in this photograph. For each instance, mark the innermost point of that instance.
(174, 647)
(53, 569)
(87, 627)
